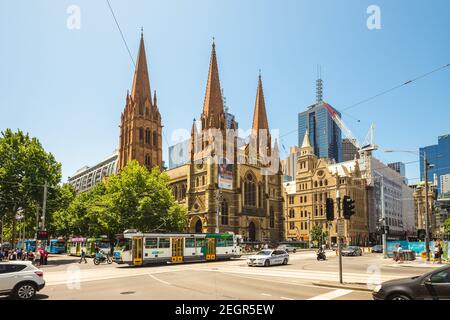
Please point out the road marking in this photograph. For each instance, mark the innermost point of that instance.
(266, 294)
(162, 281)
(332, 294)
(285, 298)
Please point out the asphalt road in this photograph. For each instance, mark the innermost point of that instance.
(67, 279)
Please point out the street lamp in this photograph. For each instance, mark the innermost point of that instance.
(426, 165)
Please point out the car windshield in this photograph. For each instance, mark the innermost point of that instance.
(351, 248)
(264, 253)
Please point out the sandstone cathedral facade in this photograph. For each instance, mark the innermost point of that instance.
(250, 201)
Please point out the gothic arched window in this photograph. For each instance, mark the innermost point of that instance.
(148, 162)
(224, 212)
(250, 191)
(147, 136)
(260, 196)
(272, 218)
(141, 135)
(155, 138)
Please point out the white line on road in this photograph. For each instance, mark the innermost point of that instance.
(162, 281)
(266, 294)
(284, 298)
(332, 294)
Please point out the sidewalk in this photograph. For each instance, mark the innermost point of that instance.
(416, 264)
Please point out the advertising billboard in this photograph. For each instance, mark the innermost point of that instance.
(225, 174)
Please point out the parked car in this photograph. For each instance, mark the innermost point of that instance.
(433, 285)
(20, 279)
(288, 248)
(352, 251)
(377, 249)
(268, 258)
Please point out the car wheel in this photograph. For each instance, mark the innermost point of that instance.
(266, 263)
(285, 261)
(25, 291)
(398, 296)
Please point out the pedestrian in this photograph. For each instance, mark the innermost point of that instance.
(19, 254)
(41, 256)
(45, 257)
(37, 258)
(438, 253)
(82, 256)
(400, 253)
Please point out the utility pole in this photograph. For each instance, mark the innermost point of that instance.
(383, 220)
(44, 205)
(218, 205)
(427, 221)
(339, 221)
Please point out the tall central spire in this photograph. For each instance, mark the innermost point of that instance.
(259, 115)
(141, 81)
(213, 103)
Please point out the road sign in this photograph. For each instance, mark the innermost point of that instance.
(341, 228)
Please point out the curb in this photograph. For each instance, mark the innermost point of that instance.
(350, 286)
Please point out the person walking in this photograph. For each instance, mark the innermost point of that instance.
(438, 253)
(37, 258)
(400, 253)
(83, 256)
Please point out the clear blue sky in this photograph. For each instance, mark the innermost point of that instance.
(68, 87)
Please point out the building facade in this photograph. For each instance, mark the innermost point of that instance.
(140, 122)
(420, 204)
(232, 195)
(349, 150)
(87, 177)
(387, 190)
(439, 156)
(324, 134)
(316, 180)
(398, 167)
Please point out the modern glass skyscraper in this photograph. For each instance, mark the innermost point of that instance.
(438, 156)
(324, 133)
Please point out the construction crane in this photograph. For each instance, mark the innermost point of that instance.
(365, 150)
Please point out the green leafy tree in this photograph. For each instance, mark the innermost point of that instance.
(133, 199)
(447, 225)
(318, 234)
(24, 168)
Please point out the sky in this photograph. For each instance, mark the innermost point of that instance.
(67, 86)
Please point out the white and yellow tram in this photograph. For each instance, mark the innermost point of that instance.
(136, 248)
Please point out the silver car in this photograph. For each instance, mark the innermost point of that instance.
(268, 258)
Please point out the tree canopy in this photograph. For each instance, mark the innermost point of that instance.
(133, 199)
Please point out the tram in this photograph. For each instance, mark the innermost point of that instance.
(136, 248)
(75, 245)
(56, 246)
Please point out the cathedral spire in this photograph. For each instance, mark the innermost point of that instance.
(141, 81)
(259, 115)
(213, 103)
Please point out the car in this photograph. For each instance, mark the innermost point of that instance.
(20, 279)
(352, 251)
(377, 249)
(268, 257)
(433, 285)
(288, 248)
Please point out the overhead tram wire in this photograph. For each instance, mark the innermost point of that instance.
(129, 53)
(121, 34)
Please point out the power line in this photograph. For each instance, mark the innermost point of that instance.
(120, 30)
(396, 87)
(380, 94)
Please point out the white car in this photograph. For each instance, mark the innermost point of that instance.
(268, 258)
(20, 279)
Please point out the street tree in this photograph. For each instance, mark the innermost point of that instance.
(24, 169)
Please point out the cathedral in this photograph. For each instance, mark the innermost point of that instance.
(140, 125)
(225, 187)
(236, 194)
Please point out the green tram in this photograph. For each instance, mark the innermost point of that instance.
(136, 248)
(74, 246)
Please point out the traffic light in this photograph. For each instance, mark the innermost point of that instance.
(330, 209)
(349, 207)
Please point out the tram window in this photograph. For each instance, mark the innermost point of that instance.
(164, 243)
(221, 242)
(200, 243)
(151, 243)
(190, 243)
